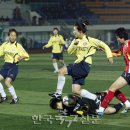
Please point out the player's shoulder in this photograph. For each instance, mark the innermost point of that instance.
(4, 43)
(92, 38)
(18, 44)
(51, 37)
(60, 36)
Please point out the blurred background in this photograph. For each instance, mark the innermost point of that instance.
(35, 19)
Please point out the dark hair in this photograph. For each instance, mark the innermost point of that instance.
(121, 33)
(81, 24)
(53, 103)
(12, 30)
(56, 29)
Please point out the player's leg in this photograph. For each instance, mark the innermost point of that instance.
(8, 83)
(55, 65)
(76, 89)
(61, 60)
(2, 92)
(61, 79)
(79, 72)
(114, 109)
(120, 96)
(60, 83)
(3, 73)
(11, 76)
(118, 84)
(54, 62)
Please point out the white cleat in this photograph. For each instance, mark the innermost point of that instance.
(100, 111)
(125, 110)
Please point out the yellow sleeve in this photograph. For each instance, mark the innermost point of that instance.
(2, 50)
(101, 45)
(72, 48)
(49, 44)
(62, 42)
(23, 53)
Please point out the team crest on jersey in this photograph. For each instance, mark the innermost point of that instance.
(84, 44)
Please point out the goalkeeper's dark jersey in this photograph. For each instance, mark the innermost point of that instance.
(80, 106)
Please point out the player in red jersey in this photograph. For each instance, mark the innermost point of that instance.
(124, 79)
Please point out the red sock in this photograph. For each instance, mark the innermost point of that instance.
(120, 96)
(107, 99)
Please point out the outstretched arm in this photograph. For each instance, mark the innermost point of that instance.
(101, 45)
(49, 44)
(117, 52)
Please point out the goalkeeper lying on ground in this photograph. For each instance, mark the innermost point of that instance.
(75, 105)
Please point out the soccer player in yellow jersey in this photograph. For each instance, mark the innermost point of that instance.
(83, 47)
(56, 42)
(13, 52)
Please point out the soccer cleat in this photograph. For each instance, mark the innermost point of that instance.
(100, 111)
(3, 99)
(56, 95)
(125, 110)
(15, 101)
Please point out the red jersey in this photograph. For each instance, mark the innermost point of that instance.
(126, 53)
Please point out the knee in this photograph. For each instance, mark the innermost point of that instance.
(61, 61)
(112, 89)
(54, 60)
(7, 83)
(63, 71)
(76, 91)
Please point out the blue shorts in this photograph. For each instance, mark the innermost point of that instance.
(57, 56)
(9, 70)
(79, 72)
(126, 76)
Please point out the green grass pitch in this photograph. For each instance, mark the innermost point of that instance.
(36, 79)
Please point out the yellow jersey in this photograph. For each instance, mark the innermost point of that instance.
(11, 52)
(56, 42)
(86, 47)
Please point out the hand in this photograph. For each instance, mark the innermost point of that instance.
(78, 61)
(110, 59)
(20, 58)
(114, 54)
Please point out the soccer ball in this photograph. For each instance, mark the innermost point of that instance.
(65, 100)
